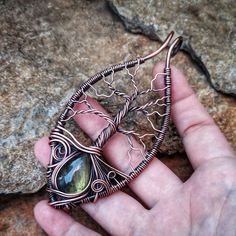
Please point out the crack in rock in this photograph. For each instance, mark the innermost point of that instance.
(138, 20)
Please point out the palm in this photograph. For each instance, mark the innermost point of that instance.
(203, 205)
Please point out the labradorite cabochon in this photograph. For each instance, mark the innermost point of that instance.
(74, 175)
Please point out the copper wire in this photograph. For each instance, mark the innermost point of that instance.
(104, 178)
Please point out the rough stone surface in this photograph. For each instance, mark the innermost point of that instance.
(16, 215)
(209, 30)
(47, 50)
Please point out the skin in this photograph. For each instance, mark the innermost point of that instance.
(204, 205)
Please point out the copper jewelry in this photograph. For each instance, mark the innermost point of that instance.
(78, 173)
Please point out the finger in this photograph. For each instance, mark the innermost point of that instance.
(153, 183)
(116, 213)
(57, 222)
(42, 150)
(201, 137)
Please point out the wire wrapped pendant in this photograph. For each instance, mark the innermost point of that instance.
(77, 172)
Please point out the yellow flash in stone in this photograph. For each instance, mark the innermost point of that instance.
(74, 176)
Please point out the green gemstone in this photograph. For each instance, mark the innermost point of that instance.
(74, 176)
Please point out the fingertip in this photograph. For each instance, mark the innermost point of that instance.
(43, 214)
(57, 222)
(48, 218)
(42, 150)
(159, 67)
(40, 209)
(39, 144)
(180, 86)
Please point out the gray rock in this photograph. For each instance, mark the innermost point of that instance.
(209, 30)
(47, 51)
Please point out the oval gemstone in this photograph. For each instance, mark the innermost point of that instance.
(74, 175)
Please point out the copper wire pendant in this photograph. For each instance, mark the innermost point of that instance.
(78, 173)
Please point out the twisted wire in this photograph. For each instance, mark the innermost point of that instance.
(105, 179)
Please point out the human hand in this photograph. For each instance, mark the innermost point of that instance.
(204, 205)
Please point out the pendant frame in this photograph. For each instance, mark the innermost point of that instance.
(104, 179)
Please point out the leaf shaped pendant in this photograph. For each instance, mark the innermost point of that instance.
(78, 171)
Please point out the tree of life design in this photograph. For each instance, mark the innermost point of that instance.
(78, 172)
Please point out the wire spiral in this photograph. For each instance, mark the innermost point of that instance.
(103, 178)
